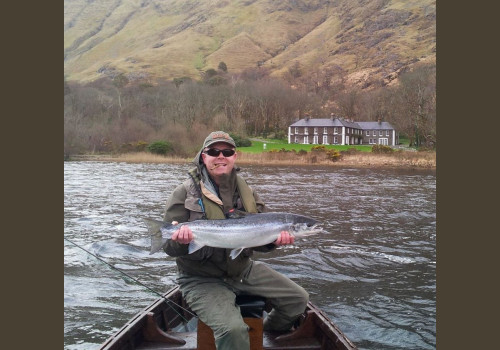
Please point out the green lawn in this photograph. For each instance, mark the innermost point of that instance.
(258, 146)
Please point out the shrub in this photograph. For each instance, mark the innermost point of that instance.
(382, 149)
(241, 141)
(159, 147)
(280, 135)
(319, 148)
(138, 146)
(333, 155)
(302, 152)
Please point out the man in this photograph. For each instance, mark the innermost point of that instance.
(209, 278)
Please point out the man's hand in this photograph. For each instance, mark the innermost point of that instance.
(284, 238)
(183, 235)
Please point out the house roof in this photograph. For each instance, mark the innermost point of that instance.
(375, 125)
(325, 122)
(322, 122)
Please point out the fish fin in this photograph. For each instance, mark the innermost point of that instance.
(194, 246)
(235, 252)
(154, 230)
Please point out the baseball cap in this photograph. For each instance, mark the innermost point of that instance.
(218, 136)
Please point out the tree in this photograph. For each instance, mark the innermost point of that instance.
(417, 90)
(119, 82)
(295, 70)
(209, 73)
(348, 102)
(223, 67)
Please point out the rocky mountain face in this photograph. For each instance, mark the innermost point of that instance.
(166, 39)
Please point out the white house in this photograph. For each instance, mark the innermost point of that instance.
(339, 131)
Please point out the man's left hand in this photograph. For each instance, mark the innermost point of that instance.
(284, 238)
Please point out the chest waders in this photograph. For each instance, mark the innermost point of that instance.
(212, 206)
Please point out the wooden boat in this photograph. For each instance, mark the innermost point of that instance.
(169, 323)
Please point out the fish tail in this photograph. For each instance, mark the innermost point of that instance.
(154, 231)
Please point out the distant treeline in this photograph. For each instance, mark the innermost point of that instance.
(117, 115)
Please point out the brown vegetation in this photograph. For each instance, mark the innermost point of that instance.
(399, 159)
(250, 68)
(115, 116)
(154, 40)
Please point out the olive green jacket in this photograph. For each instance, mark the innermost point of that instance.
(183, 205)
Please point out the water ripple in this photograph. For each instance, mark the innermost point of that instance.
(372, 270)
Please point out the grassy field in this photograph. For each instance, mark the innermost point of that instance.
(258, 146)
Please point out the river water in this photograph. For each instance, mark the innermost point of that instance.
(373, 271)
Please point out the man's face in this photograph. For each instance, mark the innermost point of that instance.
(219, 164)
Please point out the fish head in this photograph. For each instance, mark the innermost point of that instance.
(303, 225)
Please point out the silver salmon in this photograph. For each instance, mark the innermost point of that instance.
(250, 230)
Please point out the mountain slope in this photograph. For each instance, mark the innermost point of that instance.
(151, 39)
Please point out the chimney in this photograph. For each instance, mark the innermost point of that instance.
(307, 116)
(379, 121)
(332, 117)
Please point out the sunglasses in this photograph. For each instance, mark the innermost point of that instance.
(214, 152)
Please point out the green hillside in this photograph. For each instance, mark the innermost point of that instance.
(154, 39)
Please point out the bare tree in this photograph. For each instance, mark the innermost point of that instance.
(417, 90)
(119, 82)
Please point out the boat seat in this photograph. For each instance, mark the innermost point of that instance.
(252, 309)
(251, 305)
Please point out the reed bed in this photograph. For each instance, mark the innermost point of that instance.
(401, 159)
(137, 157)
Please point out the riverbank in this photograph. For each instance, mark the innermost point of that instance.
(401, 159)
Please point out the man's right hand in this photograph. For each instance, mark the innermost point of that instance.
(183, 235)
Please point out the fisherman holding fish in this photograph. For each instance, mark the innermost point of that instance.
(210, 277)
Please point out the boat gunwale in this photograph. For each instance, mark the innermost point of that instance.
(129, 331)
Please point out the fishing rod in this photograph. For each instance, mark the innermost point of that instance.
(135, 280)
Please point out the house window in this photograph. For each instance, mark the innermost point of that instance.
(296, 130)
(296, 139)
(335, 130)
(325, 139)
(306, 131)
(325, 131)
(315, 139)
(383, 141)
(306, 140)
(315, 131)
(367, 132)
(380, 133)
(335, 140)
(387, 133)
(347, 130)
